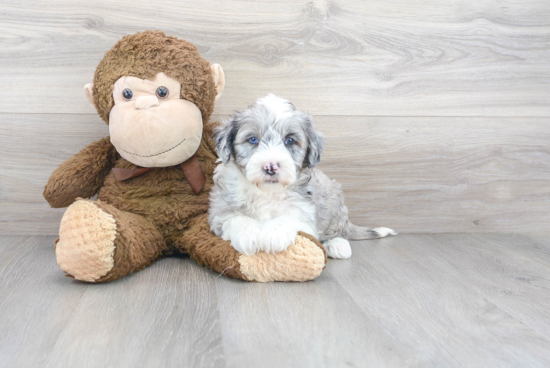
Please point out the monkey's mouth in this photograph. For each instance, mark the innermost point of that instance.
(156, 154)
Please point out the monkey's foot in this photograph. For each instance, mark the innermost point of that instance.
(303, 261)
(86, 245)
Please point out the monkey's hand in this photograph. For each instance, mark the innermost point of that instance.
(82, 175)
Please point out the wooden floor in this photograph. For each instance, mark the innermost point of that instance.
(411, 300)
(436, 117)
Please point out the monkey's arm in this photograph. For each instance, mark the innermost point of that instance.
(303, 261)
(82, 175)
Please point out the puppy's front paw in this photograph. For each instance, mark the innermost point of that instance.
(244, 240)
(338, 248)
(277, 235)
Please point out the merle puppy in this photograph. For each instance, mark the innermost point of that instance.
(267, 189)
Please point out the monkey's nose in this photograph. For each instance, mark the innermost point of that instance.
(145, 102)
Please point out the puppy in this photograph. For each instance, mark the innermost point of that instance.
(267, 189)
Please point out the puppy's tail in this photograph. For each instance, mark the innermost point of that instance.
(355, 232)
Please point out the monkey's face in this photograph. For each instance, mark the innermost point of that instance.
(150, 125)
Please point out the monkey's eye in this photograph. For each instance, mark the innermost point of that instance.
(289, 141)
(162, 92)
(253, 140)
(127, 94)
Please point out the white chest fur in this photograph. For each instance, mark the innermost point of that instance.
(245, 198)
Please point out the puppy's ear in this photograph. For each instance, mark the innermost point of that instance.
(225, 138)
(316, 142)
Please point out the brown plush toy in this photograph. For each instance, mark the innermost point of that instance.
(154, 174)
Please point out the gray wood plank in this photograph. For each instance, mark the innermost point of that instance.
(536, 247)
(442, 174)
(342, 57)
(313, 324)
(519, 281)
(36, 144)
(430, 294)
(35, 304)
(165, 315)
(448, 300)
(410, 174)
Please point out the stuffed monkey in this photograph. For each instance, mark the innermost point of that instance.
(153, 174)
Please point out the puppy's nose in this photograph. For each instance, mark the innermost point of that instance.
(145, 102)
(271, 168)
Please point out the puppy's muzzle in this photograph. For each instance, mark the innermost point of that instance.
(271, 168)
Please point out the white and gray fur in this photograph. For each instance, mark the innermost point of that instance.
(266, 192)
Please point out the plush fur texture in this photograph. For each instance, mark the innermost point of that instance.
(82, 175)
(146, 54)
(156, 214)
(268, 190)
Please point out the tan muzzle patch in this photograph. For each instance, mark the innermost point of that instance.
(144, 102)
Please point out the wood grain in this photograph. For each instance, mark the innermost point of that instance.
(436, 116)
(410, 174)
(34, 146)
(340, 57)
(503, 268)
(449, 300)
(165, 315)
(314, 324)
(442, 174)
(452, 299)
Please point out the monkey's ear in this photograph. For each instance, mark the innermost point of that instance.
(219, 79)
(88, 92)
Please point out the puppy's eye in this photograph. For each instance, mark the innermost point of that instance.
(162, 92)
(127, 94)
(253, 140)
(289, 141)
